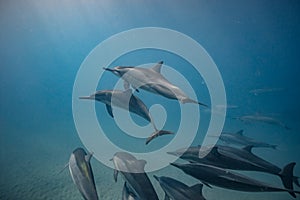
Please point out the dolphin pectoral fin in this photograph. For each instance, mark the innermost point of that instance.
(156, 134)
(157, 67)
(66, 165)
(197, 187)
(248, 148)
(116, 172)
(206, 184)
(109, 110)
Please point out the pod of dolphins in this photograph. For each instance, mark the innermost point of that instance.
(149, 79)
(214, 169)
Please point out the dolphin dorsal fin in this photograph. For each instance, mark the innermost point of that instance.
(157, 67)
(142, 162)
(248, 148)
(240, 132)
(88, 157)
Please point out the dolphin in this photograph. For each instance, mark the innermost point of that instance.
(151, 80)
(240, 139)
(262, 119)
(127, 194)
(177, 190)
(126, 100)
(264, 90)
(82, 174)
(238, 159)
(137, 181)
(212, 175)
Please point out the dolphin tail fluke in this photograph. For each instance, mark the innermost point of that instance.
(188, 100)
(287, 177)
(296, 181)
(156, 134)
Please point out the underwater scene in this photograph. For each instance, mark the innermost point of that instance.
(145, 100)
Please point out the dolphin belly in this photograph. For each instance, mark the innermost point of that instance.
(82, 177)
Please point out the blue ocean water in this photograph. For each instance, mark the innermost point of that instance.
(43, 43)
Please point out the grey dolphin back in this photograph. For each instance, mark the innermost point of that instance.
(176, 190)
(137, 181)
(227, 179)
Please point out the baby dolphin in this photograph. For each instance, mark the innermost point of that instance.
(126, 100)
(211, 175)
(82, 174)
(151, 80)
(137, 181)
(177, 190)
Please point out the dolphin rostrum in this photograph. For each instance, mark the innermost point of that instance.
(151, 80)
(238, 159)
(240, 139)
(212, 175)
(262, 119)
(126, 100)
(137, 181)
(177, 190)
(82, 174)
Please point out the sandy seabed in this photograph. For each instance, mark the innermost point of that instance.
(30, 170)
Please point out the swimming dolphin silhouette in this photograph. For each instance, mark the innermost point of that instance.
(82, 174)
(238, 159)
(177, 190)
(240, 139)
(212, 175)
(151, 80)
(126, 100)
(134, 175)
(262, 119)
